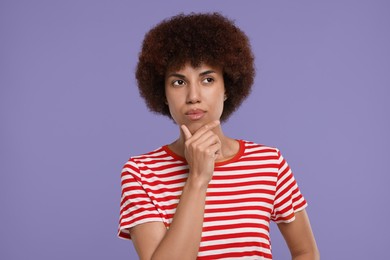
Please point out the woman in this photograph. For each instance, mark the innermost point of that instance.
(206, 195)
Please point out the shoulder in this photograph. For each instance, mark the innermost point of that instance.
(253, 147)
(155, 161)
(135, 162)
(147, 157)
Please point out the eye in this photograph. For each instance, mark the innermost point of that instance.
(208, 80)
(178, 82)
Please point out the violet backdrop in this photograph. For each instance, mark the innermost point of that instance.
(70, 116)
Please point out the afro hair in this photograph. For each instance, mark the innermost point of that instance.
(208, 38)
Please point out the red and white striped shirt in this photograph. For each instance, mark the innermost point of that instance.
(245, 193)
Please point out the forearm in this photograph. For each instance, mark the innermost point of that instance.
(307, 256)
(299, 237)
(183, 237)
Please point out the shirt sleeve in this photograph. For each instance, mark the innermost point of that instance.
(136, 205)
(288, 197)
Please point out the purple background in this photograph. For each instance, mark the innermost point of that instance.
(71, 116)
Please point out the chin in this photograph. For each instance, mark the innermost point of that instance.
(194, 127)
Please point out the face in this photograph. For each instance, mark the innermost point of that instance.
(195, 96)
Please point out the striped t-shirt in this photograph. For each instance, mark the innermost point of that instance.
(245, 193)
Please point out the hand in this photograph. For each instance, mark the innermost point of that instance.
(201, 149)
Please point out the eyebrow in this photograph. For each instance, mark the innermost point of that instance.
(207, 72)
(183, 77)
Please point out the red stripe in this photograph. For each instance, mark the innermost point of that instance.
(235, 226)
(237, 255)
(126, 223)
(240, 184)
(234, 235)
(236, 217)
(248, 167)
(243, 200)
(149, 166)
(243, 208)
(222, 176)
(241, 245)
(166, 182)
(239, 192)
(259, 158)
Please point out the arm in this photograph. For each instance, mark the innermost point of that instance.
(299, 238)
(153, 241)
(182, 239)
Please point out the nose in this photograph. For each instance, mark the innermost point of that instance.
(193, 94)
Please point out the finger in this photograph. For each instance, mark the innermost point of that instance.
(209, 145)
(207, 139)
(215, 150)
(186, 132)
(213, 124)
(205, 128)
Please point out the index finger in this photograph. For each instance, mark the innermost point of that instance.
(212, 124)
(186, 132)
(206, 127)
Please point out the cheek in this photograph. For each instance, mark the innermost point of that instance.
(173, 113)
(172, 107)
(219, 104)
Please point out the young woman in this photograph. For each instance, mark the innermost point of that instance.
(206, 195)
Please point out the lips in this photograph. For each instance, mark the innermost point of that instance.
(195, 114)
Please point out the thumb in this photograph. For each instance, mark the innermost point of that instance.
(186, 132)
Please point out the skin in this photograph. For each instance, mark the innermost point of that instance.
(195, 97)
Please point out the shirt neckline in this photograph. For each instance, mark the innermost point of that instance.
(235, 158)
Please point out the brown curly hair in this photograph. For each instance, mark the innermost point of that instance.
(208, 38)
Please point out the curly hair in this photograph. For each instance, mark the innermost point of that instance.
(208, 38)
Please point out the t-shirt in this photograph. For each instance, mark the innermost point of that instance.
(246, 192)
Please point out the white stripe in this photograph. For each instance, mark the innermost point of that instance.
(234, 231)
(235, 213)
(238, 196)
(233, 222)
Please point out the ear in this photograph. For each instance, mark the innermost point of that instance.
(224, 97)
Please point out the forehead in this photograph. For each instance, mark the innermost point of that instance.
(189, 67)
